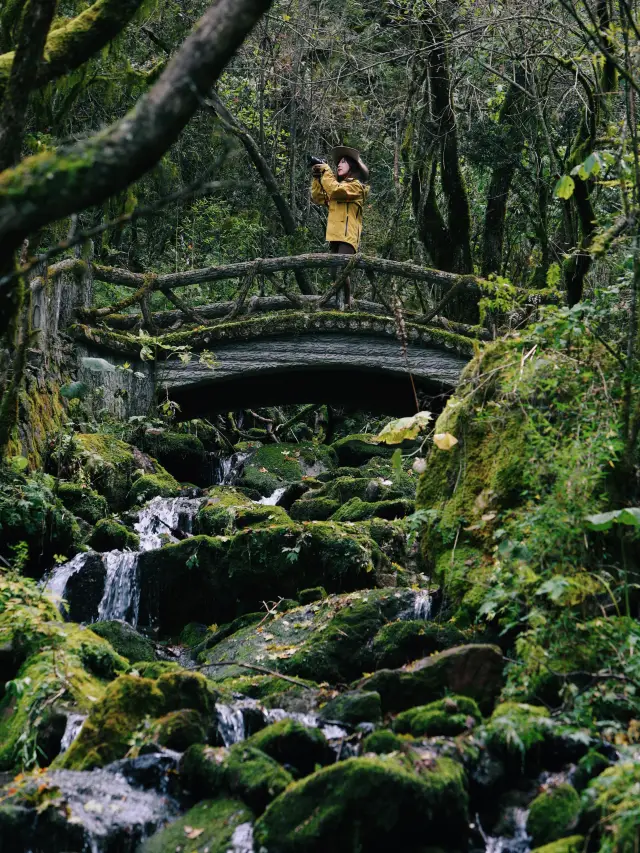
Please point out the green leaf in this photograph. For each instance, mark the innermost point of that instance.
(565, 187)
(19, 463)
(396, 462)
(553, 275)
(629, 516)
(404, 428)
(592, 164)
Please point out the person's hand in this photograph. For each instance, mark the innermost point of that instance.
(318, 169)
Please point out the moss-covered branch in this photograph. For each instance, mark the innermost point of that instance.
(72, 44)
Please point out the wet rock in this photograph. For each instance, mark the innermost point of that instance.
(156, 769)
(382, 742)
(64, 810)
(181, 454)
(474, 671)
(404, 640)
(314, 593)
(126, 640)
(314, 509)
(572, 844)
(449, 717)
(108, 535)
(353, 707)
(359, 510)
(295, 746)
(372, 804)
(212, 825)
(242, 771)
(178, 730)
(353, 450)
(84, 590)
(148, 486)
(552, 814)
(295, 491)
(275, 465)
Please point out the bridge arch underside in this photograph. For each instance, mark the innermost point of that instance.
(364, 372)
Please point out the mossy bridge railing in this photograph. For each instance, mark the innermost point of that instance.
(412, 331)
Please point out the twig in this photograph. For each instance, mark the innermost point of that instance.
(262, 669)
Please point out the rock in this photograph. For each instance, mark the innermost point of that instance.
(353, 450)
(178, 730)
(371, 804)
(314, 593)
(217, 516)
(126, 640)
(572, 844)
(83, 501)
(148, 486)
(294, 491)
(449, 717)
(313, 509)
(242, 771)
(613, 804)
(275, 465)
(296, 747)
(110, 464)
(127, 703)
(181, 454)
(474, 671)
(358, 510)
(382, 742)
(64, 810)
(108, 535)
(404, 640)
(353, 707)
(84, 590)
(552, 814)
(221, 821)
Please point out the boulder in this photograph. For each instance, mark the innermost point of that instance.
(404, 640)
(181, 454)
(448, 717)
(83, 502)
(109, 535)
(126, 640)
(178, 730)
(353, 707)
(552, 814)
(474, 671)
(84, 590)
(353, 450)
(382, 742)
(276, 465)
(295, 746)
(216, 823)
(373, 804)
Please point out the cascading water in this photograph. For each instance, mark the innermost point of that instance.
(230, 722)
(161, 516)
(422, 605)
(242, 839)
(56, 582)
(519, 842)
(121, 599)
(74, 723)
(273, 498)
(225, 470)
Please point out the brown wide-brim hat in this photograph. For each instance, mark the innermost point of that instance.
(341, 151)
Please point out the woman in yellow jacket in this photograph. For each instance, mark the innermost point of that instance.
(344, 194)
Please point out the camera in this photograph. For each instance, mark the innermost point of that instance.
(314, 161)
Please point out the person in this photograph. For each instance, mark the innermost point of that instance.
(344, 194)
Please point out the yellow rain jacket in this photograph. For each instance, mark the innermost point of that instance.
(345, 200)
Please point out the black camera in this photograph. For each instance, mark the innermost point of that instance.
(314, 161)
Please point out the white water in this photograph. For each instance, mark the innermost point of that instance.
(230, 723)
(519, 842)
(422, 605)
(272, 499)
(56, 582)
(121, 598)
(229, 469)
(242, 839)
(160, 516)
(74, 723)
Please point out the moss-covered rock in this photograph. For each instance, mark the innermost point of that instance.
(148, 486)
(242, 771)
(382, 742)
(552, 814)
(613, 805)
(353, 450)
(353, 707)
(371, 804)
(49, 663)
(217, 516)
(313, 509)
(314, 593)
(275, 465)
(180, 729)
(218, 819)
(329, 640)
(474, 671)
(180, 453)
(572, 844)
(358, 510)
(451, 716)
(84, 590)
(125, 640)
(127, 702)
(290, 743)
(83, 501)
(109, 535)
(110, 464)
(405, 640)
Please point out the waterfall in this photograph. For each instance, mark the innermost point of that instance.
(519, 842)
(227, 469)
(74, 723)
(230, 723)
(272, 499)
(121, 598)
(242, 839)
(422, 605)
(56, 580)
(161, 516)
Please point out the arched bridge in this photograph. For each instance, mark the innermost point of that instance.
(286, 347)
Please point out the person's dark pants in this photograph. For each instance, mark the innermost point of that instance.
(344, 294)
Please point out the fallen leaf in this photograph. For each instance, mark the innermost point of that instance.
(192, 832)
(444, 440)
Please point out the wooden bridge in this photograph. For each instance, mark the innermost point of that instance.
(281, 348)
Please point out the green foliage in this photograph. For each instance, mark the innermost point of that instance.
(615, 802)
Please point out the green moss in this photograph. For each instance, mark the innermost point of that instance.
(358, 510)
(517, 730)
(293, 745)
(615, 806)
(127, 702)
(405, 640)
(180, 729)
(125, 640)
(218, 515)
(572, 844)
(242, 771)
(353, 707)
(274, 465)
(217, 818)
(150, 486)
(552, 814)
(110, 464)
(314, 593)
(313, 509)
(108, 535)
(83, 502)
(192, 634)
(155, 669)
(451, 716)
(382, 742)
(180, 453)
(353, 450)
(366, 804)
